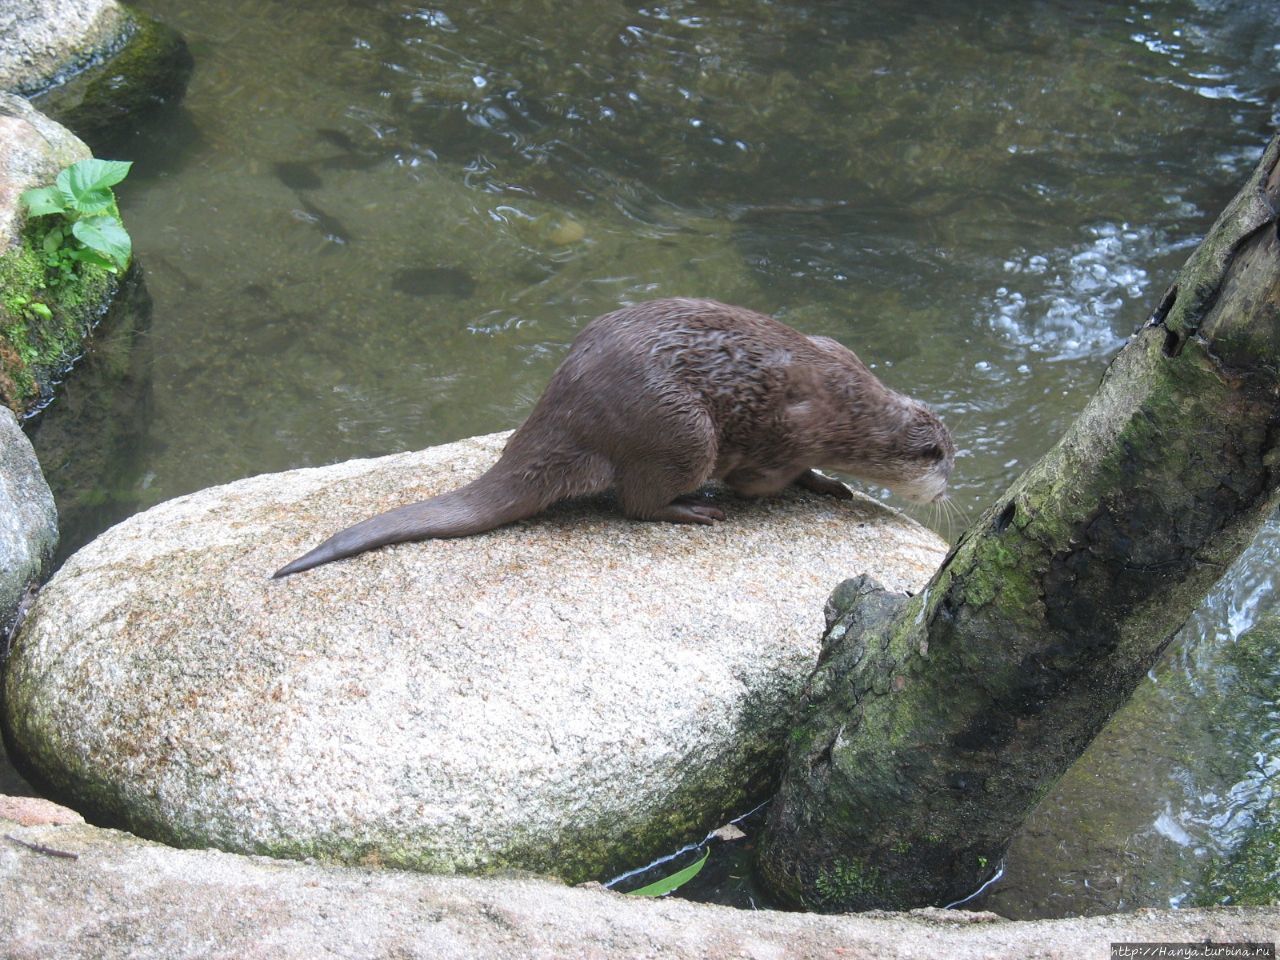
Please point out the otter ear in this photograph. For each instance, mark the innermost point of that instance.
(933, 452)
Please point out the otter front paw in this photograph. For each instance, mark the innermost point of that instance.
(821, 483)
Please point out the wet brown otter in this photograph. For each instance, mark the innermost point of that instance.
(657, 399)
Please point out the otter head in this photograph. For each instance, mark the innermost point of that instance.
(924, 453)
(901, 444)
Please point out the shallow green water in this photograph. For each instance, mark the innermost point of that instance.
(375, 226)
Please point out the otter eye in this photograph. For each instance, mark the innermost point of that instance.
(932, 452)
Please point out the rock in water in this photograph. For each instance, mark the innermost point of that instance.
(33, 149)
(28, 521)
(92, 65)
(570, 694)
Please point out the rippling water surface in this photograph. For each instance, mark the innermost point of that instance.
(375, 226)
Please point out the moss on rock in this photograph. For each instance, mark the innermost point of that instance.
(43, 324)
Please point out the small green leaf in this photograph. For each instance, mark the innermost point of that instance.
(86, 186)
(107, 236)
(42, 200)
(92, 256)
(40, 310)
(52, 241)
(667, 884)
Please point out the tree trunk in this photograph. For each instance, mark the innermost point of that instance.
(932, 726)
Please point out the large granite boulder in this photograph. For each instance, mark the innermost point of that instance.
(28, 522)
(570, 694)
(75, 891)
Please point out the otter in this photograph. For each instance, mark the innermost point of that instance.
(658, 398)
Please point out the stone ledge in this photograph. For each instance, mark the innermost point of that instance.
(124, 897)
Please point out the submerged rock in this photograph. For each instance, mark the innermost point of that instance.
(1245, 720)
(79, 891)
(570, 694)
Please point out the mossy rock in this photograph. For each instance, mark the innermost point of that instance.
(42, 327)
(45, 312)
(149, 67)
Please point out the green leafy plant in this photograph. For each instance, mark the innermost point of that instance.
(664, 886)
(90, 230)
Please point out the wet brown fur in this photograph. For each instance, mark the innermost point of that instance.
(657, 399)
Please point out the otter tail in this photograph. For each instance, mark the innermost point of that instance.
(491, 500)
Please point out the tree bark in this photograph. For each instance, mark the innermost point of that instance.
(932, 726)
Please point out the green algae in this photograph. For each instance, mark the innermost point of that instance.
(848, 879)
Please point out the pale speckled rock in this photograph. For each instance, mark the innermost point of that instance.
(28, 520)
(41, 41)
(126, 898)
(33, 149)
(569, 694)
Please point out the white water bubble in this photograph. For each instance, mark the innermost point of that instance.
(1074, 300)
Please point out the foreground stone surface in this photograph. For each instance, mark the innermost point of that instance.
(124, 897)
(568, 695)
(28, 520)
